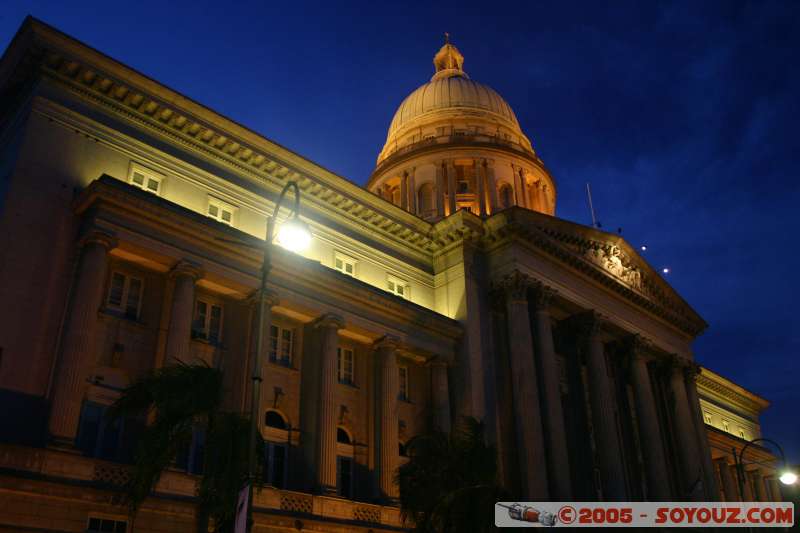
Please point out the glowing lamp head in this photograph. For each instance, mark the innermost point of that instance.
(294, 235)
(665, 270)
(788, 478)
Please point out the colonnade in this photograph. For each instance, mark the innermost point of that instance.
(79, 349)
(757, 484)
(540, 424)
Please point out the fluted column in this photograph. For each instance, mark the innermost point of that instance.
(328, 326)
(440, 197)
(527, 412)
(185, 274)
(412, 192)
(491, 183)
(404, 191)
(551, 383)
(761, 489)
(479, 180)
(649, 429)
(693, 474)
(728, 482)
(451, 187)
(709, 479)
(775, 490)
(80, 336)
(747, 494)
(604, 423)
(441, 396)
(388, 389)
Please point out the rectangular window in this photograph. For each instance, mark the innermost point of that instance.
(145, 179)
(742, 433)
(725, 425)
(207, 322)
(275, 464)
(397, 286)
(125, 294)
(221, 211)
(281, 341)
(106, 525)
(344, 365)
(98, 436)
(708, 418)
(344, 264)
(191, 458)
(403, 391)
(344, 476)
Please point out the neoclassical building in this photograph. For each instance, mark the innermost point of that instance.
(132, 220)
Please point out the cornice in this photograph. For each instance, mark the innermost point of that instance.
(712, 382)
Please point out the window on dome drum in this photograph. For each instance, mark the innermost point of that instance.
(397, 286)
(124, 295)
(106, 525)
(344, 476)
(344, 365)
(281, 341)
(207, 322)
(506, 196)
(273, 419)
(275, 464)
(221, 211)
(145, 179)
(342, 437)
(403, 389)
(344, 264)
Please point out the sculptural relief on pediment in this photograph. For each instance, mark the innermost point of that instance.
(613, 260)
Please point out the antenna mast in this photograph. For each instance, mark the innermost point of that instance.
(591, 207)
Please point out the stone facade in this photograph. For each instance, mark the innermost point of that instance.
(132, 219)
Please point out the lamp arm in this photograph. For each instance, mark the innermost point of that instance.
(276, 209)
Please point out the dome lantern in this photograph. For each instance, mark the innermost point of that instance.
(448, 61)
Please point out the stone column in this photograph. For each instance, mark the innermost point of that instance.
(491, 183)
(441, 396)
(184, 274)
(604, 421)
(649, 430)
(451, 187)
(688, 449)
(551, 383)
(709, 479)
(523, 189)
(728, 482)
(774, 489)
(440, 197)
(747, 495)
(78, 351)
(479, 180)
(412, 192)
(761, 489)
(329, 326)
(404, 191)
(527, 412)
(388, 389)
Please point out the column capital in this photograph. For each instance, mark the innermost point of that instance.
(543, 296)
(98, 236)
(515, 286)
(329, 321)
(590, 324)
(270, 297)
(637, 347)
(387, 342)
(186, 268)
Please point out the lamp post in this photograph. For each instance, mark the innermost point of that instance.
(295, 236)
(787, 477)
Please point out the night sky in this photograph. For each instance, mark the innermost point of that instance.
(682, 116)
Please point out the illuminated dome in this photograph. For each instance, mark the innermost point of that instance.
(455, 144)
(452, 95)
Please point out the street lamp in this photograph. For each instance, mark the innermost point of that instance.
(787, 477)
(294, 235)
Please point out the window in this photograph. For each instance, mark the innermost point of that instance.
(125, 294)
(106, 525)
(342, 436)
(275, 464)
(113, 440)
(708, 418)
(221, 211)
(207, 322)
(344, 477)
(344, 264)
(403, 391)
(397, 286)
(344, 365)
(742, 433)
(191, 458)
(145, 179)
(725, 425)
(281, 341)
(506, 196)
(425, 203)
(273, 419)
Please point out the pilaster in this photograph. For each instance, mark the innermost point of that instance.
(388, 456)
(329, 326)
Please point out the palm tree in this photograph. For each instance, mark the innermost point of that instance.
(449, 483)
(177, 400)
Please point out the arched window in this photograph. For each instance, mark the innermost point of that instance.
(426, 204)
(506, 196)
(342, 436)
(273, 419)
